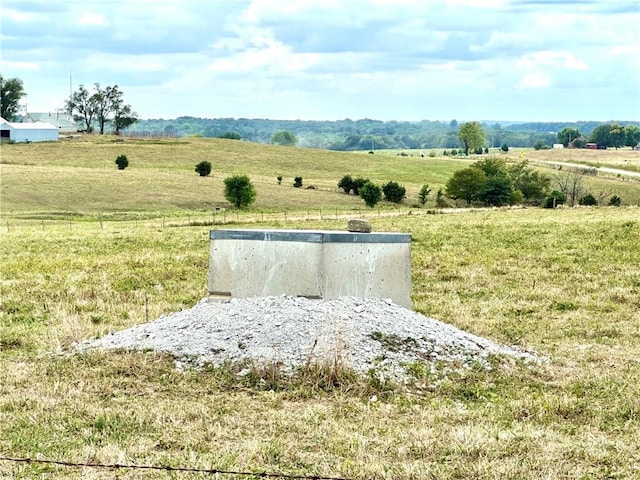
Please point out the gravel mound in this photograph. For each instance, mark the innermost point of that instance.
(363, 333)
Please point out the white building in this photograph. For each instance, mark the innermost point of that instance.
(27, 132)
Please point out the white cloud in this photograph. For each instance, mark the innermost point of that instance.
(535, 80)
(88, 19)
(551, 59)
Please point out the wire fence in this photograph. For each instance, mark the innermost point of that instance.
(167, 468)
(215, 218)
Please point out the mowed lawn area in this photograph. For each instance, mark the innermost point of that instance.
(564, 283)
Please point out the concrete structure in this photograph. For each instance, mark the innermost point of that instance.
(558, 146)
(310, 263)
(27, 132)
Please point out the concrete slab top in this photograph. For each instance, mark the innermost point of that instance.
(311, 236)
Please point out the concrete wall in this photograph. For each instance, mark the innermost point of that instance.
(310, 263)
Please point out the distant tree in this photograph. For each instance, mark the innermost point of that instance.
(497, 190)
(346, 184)
(11, 92)
(588, 200)
(466, 184)
(203, 168)
(284, 138)
(424, 193)
(393, 192)
(601, 135)
(102, 106)
(504, 147)
(123, 117)
(230, 136)
(122, 162)
(617, 136)
(579, 142)
(239, 190)
(554, 199)
(471, 136)
(571, 184)
(297, 182)
(371, 194)
(82, 107)
(568, 135)
(491, 166)
(279, 179)
(531, 183)
(632, 135)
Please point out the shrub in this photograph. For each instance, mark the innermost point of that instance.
(615, 201)
(239, 190)
(445, 153)
(203, 168)
(441, 202)
(504, 147)
(554, 199)
(478, 150)
(122, 162)
(486, 149)
(357, 184)
(346, 184)
(432, 154)
(393, 192)
(454, 152)
(297, 182)
(230, 136)
(371, 194)
(424, 193)
(587, 199)
(279, 178)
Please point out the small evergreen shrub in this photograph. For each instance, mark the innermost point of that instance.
(393, 192)
(357, 184)
(203, 168)
(615, 201)
(454, 152)
(297, 182)
(122, 162)
(371, 194)
(504, 147)
(478, 151)
(346, 184)
(554, 199)
(588, 200)
(279, 178)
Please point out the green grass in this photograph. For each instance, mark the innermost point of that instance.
(565, 283)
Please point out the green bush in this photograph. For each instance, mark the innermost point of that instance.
(203, 168)
(615, 201)
(554, 199)
(279, 178)
(230, 136)
(346, 184)
(504, 147)
(239, 190)
(122, 162)
(588, 200)
(357, 184)
(393, 192)
(371, 194)
(297, 182)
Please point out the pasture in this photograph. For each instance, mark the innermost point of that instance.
(85, 249)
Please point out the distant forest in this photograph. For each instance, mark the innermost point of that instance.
(364, 134)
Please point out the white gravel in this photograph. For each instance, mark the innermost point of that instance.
(363, 333)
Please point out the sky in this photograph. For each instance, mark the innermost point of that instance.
(500, 60)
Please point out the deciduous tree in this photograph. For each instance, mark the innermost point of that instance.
(11, 92)
(471, 135)
(466, 184)
(284, 138)
(239, 190)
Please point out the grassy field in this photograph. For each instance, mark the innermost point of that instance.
(565, 283)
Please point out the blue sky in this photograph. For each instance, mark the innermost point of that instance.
(521, 60)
